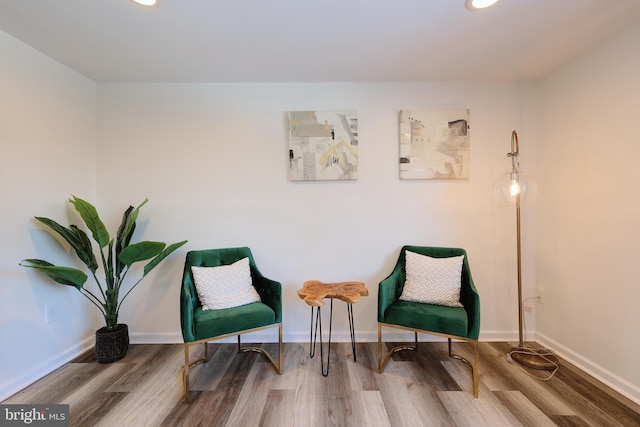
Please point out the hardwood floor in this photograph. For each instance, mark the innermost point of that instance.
(421, 388)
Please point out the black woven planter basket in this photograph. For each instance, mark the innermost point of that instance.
(112, 346)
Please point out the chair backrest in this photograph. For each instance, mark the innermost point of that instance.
(434, 252)
(189, 301)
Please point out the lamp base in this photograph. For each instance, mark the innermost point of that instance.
(534, 358)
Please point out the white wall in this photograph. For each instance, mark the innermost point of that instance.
(588, 211)
(47, 140)
(212, 158)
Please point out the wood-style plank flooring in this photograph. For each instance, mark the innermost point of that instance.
(421, 388)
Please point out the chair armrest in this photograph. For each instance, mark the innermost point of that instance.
(187, 308)
(389, 290)
(270, 293)
(470, 299)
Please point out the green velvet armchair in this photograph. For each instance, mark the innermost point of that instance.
(459, 323)
(201, 326)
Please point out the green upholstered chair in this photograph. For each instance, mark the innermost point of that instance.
(201, 326)
(459, 323)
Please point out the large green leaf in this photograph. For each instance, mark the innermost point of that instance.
(140, 251)
(125, 232)
(85, 250)
(123, 236)
(66, 233)
(165, 253)
(108, 268)
(92, 220)
(63, 275)
(78, 240)
(129, 223)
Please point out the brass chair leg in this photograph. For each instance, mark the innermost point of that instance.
(280, 349)
(185, 373)
(475, 369)
(277, 366)
(379, 348)
(188, 364)
(473, 365)
(383, 362)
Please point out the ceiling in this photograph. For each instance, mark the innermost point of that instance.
(313, 40)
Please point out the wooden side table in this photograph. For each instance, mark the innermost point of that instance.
(314, 292)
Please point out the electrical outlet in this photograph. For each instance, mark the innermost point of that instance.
(51, 312)
(540, 295)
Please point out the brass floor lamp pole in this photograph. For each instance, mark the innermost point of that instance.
(528, 357)
(519, 249)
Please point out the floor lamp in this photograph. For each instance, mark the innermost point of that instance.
(513, 187)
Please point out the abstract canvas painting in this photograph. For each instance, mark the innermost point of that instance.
(434, 144)
(323, 145)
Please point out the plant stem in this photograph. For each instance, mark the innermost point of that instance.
(95, 301)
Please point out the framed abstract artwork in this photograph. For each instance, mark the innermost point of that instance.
(434, 144)
(323, 145)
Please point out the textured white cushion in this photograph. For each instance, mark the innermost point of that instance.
(225, 286)
(432, 280)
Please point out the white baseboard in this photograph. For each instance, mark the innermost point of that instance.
(612, 380)
(14, 385)
(501, 336)
(155, 338)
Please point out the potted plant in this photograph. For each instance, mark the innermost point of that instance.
(117, 255)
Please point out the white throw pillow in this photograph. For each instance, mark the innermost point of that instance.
(225, 286)
(432, 280)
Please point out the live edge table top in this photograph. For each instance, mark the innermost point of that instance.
(314, 292)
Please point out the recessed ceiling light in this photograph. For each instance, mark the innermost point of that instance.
(479, 4)
(146, 2)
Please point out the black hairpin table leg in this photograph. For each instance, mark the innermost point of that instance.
(352, 330)
(314, 331)
(314, 335)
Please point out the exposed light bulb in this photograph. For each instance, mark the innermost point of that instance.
(479, 4)
(146, 2)
(515, 188)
